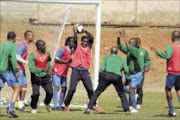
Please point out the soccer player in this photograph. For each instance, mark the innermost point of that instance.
(60, 70)
(172, 55)
(147, 64)
(80, 65)
(135, 62)
(40, 67)
(9, 71)
(21, 56)
(110, 73)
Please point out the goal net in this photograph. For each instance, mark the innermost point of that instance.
(52, 21)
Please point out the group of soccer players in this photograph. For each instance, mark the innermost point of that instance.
(77, 56)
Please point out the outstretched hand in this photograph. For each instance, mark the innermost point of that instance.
(153, 49)
(119, 33)
(123, 33)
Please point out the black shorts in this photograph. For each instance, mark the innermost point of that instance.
(177, 83)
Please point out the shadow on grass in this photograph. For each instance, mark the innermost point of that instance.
(74, 110)
(173, 107)
(119, 111)
(105, 113)
(119, 106)
(161, 115)
(1, 115)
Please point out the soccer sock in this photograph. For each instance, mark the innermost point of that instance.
(179, 98)
(133, 100)
(61, 98)
(55, 96)
(11, 106)
(126, 89)
(21, 104)
(170, 103)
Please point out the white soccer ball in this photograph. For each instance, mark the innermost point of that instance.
(79, 29)
(4, 102)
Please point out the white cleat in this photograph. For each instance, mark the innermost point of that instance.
(130, 107)
(138, 106)
(134, 111)
(34, 111)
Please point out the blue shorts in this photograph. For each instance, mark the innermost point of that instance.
(9, 77)
(22, 79)
(136, 79)
(59, 80)
(171, 80)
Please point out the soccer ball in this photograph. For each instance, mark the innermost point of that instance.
(80, 29)
(4, 102)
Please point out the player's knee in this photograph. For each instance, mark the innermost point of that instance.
(167, 89)
(63, 89)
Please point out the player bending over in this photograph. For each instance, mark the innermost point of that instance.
(60, 70)
(21, 57)
(9, 71)
(110, 73)
(40, 67)
(172, 55)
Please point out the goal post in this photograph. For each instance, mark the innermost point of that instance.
(62, 31)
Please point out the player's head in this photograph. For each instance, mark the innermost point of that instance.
(70, 42)
(11, 36)
(84, 41)
(114, 50)
(29, 35)
(41, 45)
(138, 41)
(133, 42)
(175, 35)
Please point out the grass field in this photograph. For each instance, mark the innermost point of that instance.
(153, 108)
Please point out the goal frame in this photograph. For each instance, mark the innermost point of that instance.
(98, 4)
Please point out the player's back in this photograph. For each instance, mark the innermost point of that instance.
(6, 51)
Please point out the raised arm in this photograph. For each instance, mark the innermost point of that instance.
(91, 38)
(119, 45)
(75, 35)
(125, 39)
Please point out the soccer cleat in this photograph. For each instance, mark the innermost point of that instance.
(34, 111)
(138, 106)
(48, 108)
(179, 109)
(13, 113)
(95, 108)
(60, 108)
(66, 109)
(130, 107)
(87, 111)
(134, 111)
(171, 114)
(128, 112)
(54, 109)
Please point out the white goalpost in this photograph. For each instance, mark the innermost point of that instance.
(53, 21)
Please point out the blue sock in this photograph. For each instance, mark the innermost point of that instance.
(11, 107)
(179, 98)
(126, 89)
(55, 98)
(61, 98)
(170, 103)
(133, 100)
